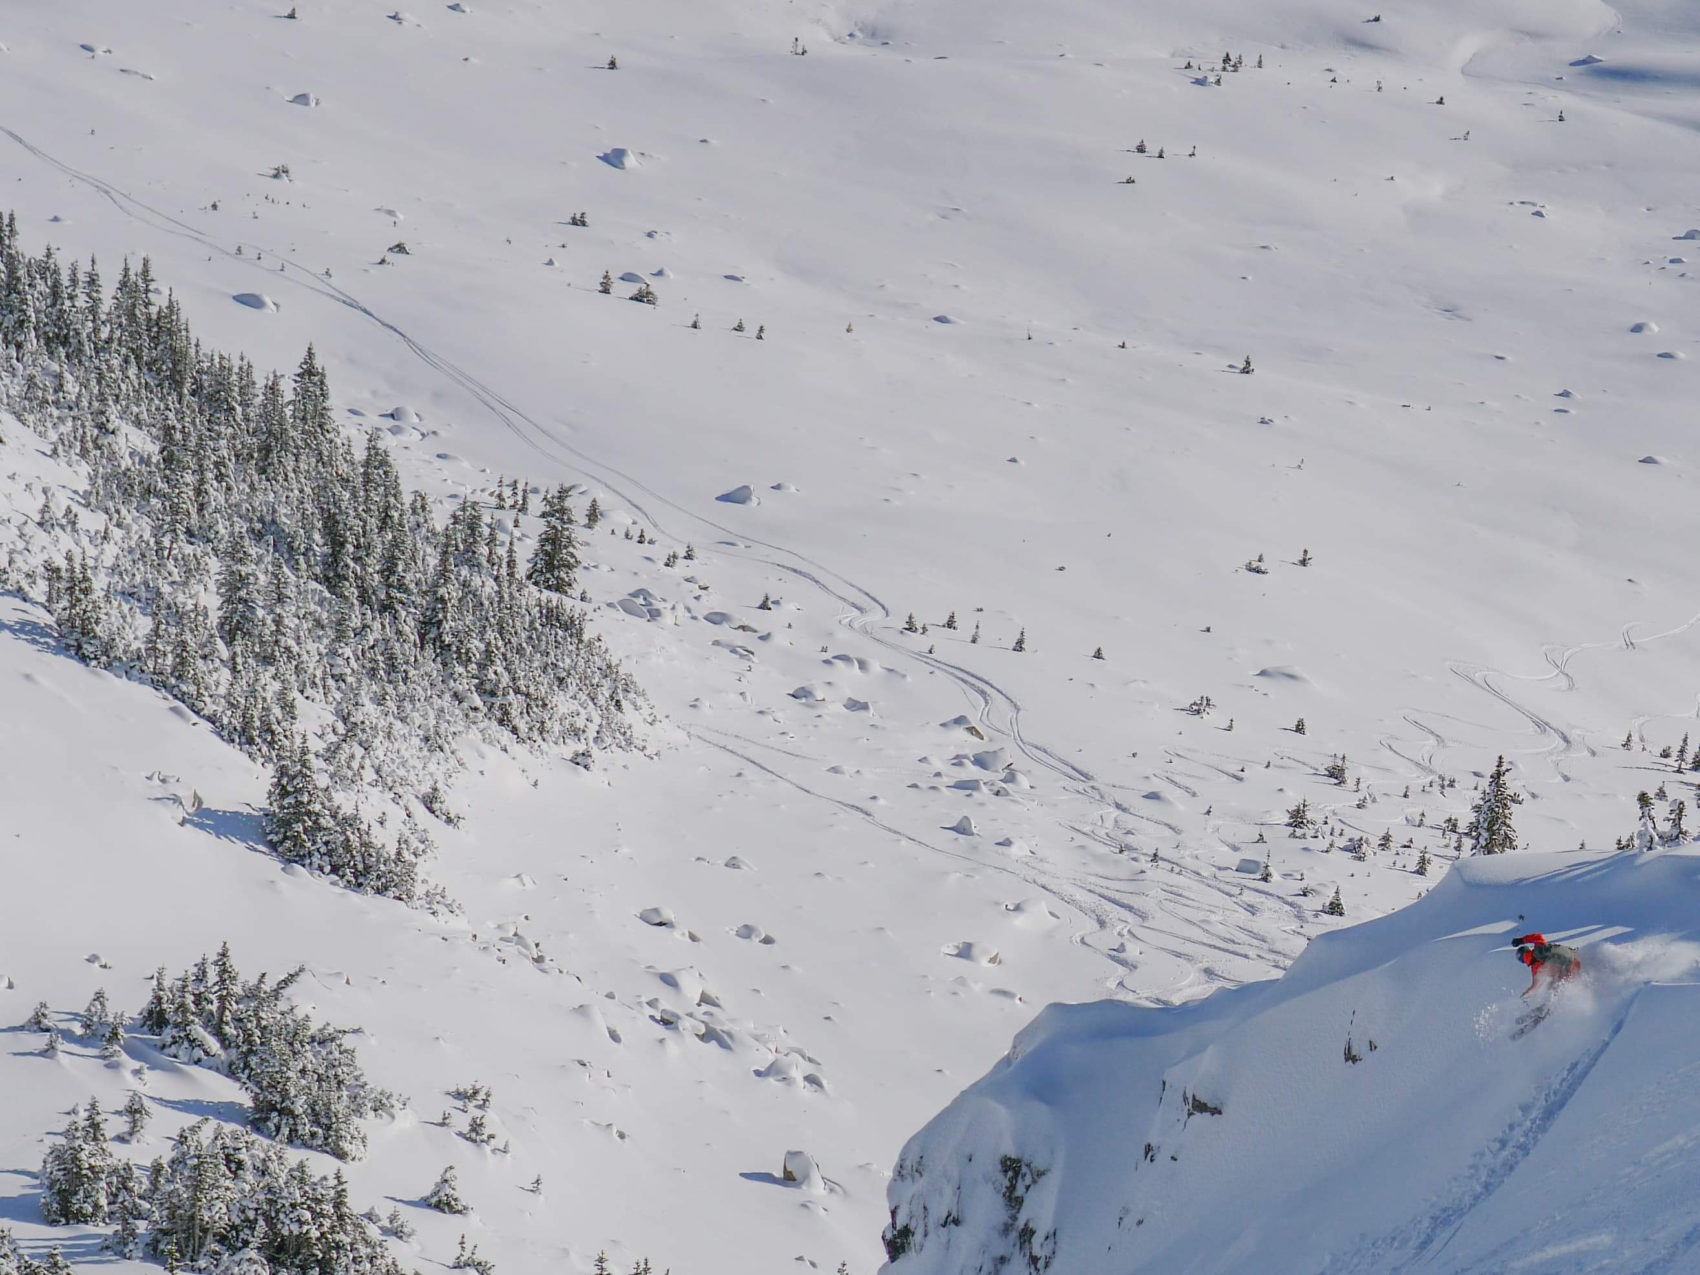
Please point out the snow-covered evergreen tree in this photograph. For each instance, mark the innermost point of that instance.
(74, 1172)
(445, 1196)
(1491, 830)
(241, 553)
(137, 1114)
(555, 562)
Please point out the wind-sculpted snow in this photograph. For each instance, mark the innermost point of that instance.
(1371, 1111)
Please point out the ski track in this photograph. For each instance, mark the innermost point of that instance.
(1423, 1240)
(997, 710)
(1562, 745)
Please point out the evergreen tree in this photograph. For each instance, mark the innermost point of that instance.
(1491, 830)
(74, 1172)
(555, 562)
(332, 583)
(96, 1015)
(137, 1114)
(1335, 906)
(445, 1196)
(155, 1014)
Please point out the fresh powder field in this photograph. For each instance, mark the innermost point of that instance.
(780, 620)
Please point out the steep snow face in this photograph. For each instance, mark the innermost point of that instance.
(1375, 1109)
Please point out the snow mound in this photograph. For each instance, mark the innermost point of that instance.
(1587, 59)
(619, 157)
(740, 495)
(403, 415)
(641, 604)
(1324, 1112)
(1281, 673)
(303, 99)
(256, 301)
(1645, 325)
(1654, 460)
(1691, 233)
(978, 953)
(853, 663)
(1032, 914)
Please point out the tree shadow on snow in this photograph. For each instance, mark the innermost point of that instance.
(24, 1203)
(239, 827)
(225, 1112)
(29, 630)
(768, 1179)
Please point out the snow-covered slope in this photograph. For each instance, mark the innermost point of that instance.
(1372, 1110)
(1471, 323)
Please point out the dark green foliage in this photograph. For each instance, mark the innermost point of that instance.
(222, 1191)
(555, 562)
(303, 1078)
(1335, 906)
(304, 824)
(1491, 831)
(234, 549)
(75, 1172)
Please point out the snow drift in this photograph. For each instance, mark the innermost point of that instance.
(1370, 1111)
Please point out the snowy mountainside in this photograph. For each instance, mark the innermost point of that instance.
(1369, 1111)
(1470, 323)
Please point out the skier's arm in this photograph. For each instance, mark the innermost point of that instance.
(1534, 978)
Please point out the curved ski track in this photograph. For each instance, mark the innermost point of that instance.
(997, 711)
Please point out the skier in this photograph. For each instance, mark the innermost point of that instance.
(1535, 952)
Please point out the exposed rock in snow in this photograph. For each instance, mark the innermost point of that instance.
(800, 1168)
